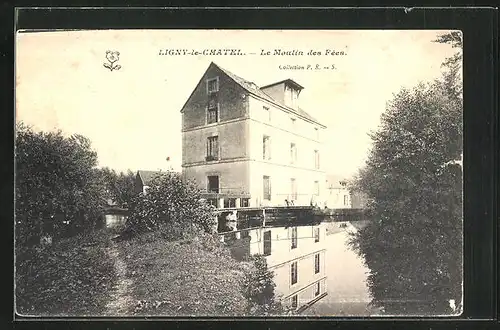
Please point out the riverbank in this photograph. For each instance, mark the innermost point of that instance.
(91, 275)
(72, 277)
(181, 278)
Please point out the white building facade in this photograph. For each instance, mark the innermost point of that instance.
(247, 146)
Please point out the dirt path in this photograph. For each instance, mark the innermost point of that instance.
(120, 301)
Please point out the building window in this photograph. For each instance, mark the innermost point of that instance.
(293, 272)
(267, 113)
(213, 184)
(229, 202)
(212, 148)
(316, 159)
(244, 202)
(316, 235)
(294, 237)
(266, 147)
(293, 153)
(318, 289)
(316, 133)
(293, 189)
(346, 200)
(267, 243)
(295, 301)
(212, 85)
(293, 121)
(316, 188)
(212, 112)
(316, 263)
(212, 202)
(267, 187)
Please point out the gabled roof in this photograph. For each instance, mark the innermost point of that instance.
(253, 89)
(147, 176)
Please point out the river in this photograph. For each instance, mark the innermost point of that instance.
(348, 294)
(315, 270)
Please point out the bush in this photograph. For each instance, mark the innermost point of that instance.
(171, 207)
(56, 186)
(195, 276)
(73, 277)
(259, 290)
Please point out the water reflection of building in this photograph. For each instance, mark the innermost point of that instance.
(297, 256)
(348, 293)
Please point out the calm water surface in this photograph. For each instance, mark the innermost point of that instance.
(314, 268)
(348, 294)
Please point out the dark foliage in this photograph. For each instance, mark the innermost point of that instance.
(195, 276)
(72, 277)
(454, 38)
(120, 187)
(259, 290)
(57, 189)
(413, 246)
(172, 207)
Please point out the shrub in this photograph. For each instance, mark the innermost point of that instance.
(259, 290)
(171, 207)
(56, 187)
(73, 277)
(195, 276)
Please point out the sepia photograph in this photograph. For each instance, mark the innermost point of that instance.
(238, 173)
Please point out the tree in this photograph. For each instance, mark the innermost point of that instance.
(413, 245)
(172, 207)
(56, 185)
(119, 187)
(125, 185)
(452, 76)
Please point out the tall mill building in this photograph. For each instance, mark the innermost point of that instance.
(246, 145)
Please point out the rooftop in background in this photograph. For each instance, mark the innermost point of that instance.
(147, 176)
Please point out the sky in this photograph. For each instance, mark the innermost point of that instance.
(132, 115)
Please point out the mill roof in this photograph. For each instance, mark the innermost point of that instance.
(257, 91)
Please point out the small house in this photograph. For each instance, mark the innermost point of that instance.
(143, 180)
(338, 195)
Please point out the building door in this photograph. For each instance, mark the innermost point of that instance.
(213, 183)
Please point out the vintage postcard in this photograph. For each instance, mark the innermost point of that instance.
(238, 173)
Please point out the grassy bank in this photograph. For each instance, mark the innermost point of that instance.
(70, 278)
(90, 275)
(190, 277)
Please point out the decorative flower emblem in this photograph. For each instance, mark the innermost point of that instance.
(112, 57)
